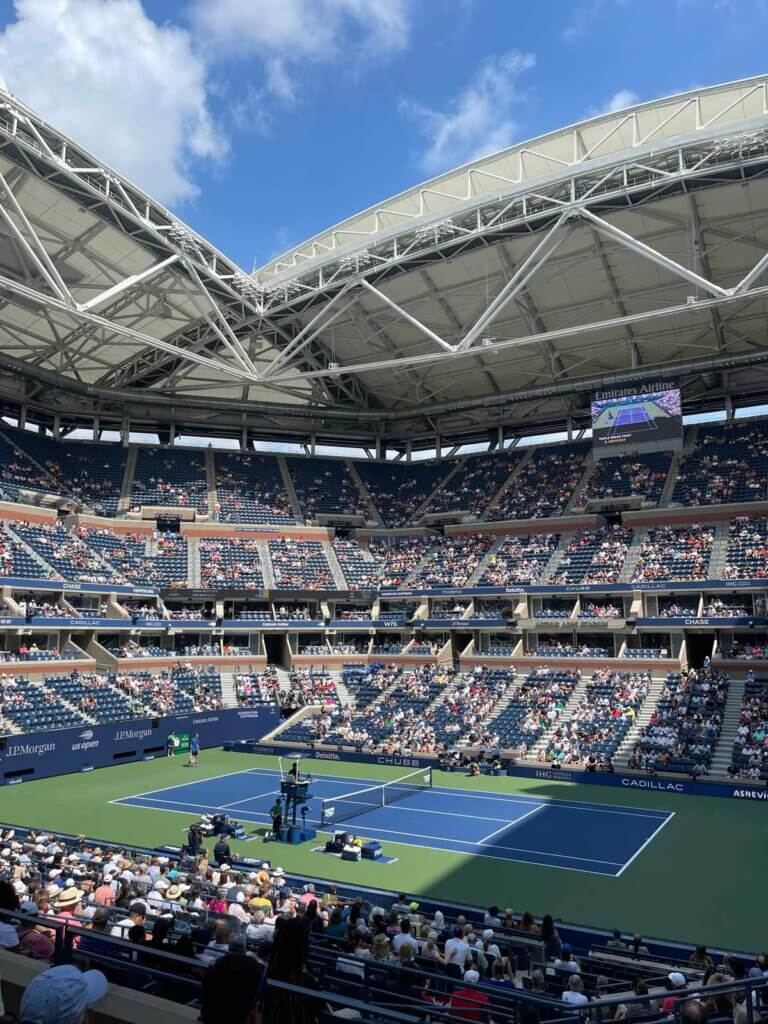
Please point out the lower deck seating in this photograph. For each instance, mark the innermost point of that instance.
(179, 691)
(750, 749)
(601, 720)
(534, 707)
(685, 726)
(31, 707)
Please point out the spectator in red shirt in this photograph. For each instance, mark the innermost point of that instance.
(468, 1003)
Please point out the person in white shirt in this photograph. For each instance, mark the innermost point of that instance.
(238, 911)
(137, 914)
(566, 961)
(574, 994)
(260, 930)
(405, 936)
(457, 951)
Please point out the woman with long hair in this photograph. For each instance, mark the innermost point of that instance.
(287, 960)
(9, 900)
(551, 937)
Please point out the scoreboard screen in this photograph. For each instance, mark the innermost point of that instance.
(647, 421)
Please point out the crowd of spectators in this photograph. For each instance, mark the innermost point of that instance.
(170, 691)
(595, 556)
(250, 489)
(230, 564)
(535, 706)
(674, 553)
(518, 560)
(601, 719)
(729, 463)
(453, 562)
(194, 925)
(605, 609)
(632, 477)
(750, 748)
(473, 486)
(683, 730)
(398, 557)
(255, 688)
(747, 553)
(545, 484)
(300, 565)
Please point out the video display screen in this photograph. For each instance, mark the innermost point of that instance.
(651, 419)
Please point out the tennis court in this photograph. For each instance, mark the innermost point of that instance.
(592, 838)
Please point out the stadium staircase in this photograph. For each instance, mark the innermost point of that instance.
(498, 709)
(633, 556)
(644, 714)
(508, 483)
(478, 573)
(210, 479)
(362, 487)
(723, 754)
(283, 679)
(346, 700)
(333, 563)
(267, 571)
(30, 551)
(589, 469)
(419, 566)
(228, 691)
(290, 490)
(423, 508)
(719, 554)
(124, 502)
(536, 751)
(669, 484)
(193, 562)
(556, 557)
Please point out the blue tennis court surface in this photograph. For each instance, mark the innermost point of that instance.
(632, 414)
(596, 838)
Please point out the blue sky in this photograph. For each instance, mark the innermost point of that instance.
(260, 122)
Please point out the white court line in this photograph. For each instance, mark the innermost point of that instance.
(197, 781)
(509, 824)
(441, 849)
(157, 800)
(650, 839)
(256, 796)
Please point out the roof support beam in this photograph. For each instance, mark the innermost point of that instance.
(222, 330)
(31, 244)
(406, 316)
(129, 282)
(530, 266)
(536, 339)
(308, 333)
(641, 249)
(50, 302)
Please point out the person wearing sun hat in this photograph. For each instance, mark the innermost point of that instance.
(61, 995)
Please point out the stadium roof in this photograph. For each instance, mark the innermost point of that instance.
(623, 249)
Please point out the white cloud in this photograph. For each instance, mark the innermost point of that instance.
(619, 101)
(132, 91)
(285, 33)
(479, 119)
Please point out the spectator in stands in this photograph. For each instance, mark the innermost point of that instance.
(574, 993)
(61, 995)
(468, 1002)
(137, 915)
(287, 961)
(230, 990)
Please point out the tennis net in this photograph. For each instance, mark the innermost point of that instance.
(360, 801)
